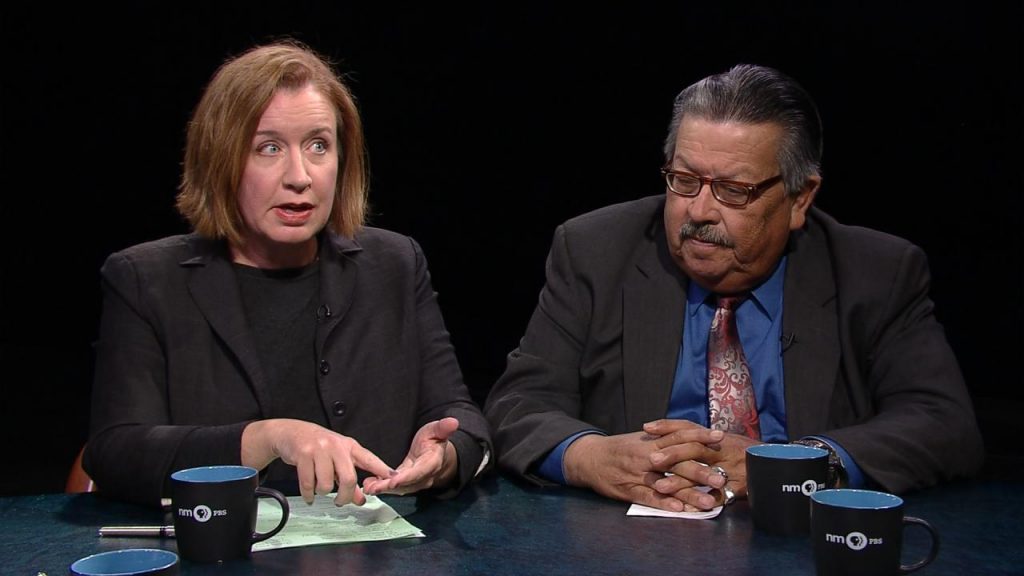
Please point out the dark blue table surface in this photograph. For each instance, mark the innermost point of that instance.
(500, 526)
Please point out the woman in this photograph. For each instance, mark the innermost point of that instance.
(282, 334)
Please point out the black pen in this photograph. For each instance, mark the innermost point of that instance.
(138, 531)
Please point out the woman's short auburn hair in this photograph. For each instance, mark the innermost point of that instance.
(223, 124)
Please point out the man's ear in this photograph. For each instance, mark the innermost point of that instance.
(802, 202)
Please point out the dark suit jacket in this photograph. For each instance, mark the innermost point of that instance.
(868, 366)
(178, 378)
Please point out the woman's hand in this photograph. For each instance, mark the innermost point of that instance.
(321, 457)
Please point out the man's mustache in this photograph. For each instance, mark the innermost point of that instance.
(704, 233)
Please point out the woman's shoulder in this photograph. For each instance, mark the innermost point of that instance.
(372, 243)
(169, 251)
(370, 235)
(166, 245)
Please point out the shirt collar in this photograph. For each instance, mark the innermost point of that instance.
(767, 296)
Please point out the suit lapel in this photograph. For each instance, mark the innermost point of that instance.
(653, 303)
(338, 272)
(811, 361)
(214, 288)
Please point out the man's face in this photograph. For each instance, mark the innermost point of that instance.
(731, 249)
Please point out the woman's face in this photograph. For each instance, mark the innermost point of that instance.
(288, 184)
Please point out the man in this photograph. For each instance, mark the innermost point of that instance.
(837, 343)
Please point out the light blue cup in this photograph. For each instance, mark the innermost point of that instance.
(128, 562)
(786, 451)
(859, 499)
(214, 474)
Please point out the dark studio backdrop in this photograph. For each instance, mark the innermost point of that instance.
(487, 127)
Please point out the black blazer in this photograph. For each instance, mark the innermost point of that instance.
(868, 364)
(178, 378)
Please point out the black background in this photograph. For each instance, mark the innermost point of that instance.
(486, 127)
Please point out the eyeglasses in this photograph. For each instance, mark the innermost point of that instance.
(728, 192)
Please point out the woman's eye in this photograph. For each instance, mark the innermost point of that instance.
(319, 147)
(269, 148)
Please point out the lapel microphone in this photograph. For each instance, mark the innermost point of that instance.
(787, 340)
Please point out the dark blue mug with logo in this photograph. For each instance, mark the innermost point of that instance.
(780, 480)
(214, 509)
(860, 532)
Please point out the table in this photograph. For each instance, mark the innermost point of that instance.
(501, 526)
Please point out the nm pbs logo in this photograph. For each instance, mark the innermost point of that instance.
(855, 541)
(806, 488)
(201, 513)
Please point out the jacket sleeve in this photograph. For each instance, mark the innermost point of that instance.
(442, 391)
(537, 402)
(133, 447)
(919, 427)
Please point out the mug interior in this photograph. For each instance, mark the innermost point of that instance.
(128, 561)
(858, 499)
(786, 451)
(214, 474)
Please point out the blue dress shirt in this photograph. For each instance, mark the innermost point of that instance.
(759, 323)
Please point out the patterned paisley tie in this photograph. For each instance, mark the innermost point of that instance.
(730, 390)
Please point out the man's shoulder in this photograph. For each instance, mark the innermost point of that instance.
(866, 265)
(624, 216)
(856, 241)
(609, 238)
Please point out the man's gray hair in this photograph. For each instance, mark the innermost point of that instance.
(755, 95)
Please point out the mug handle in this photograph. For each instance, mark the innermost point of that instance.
(263, 492)
(908, 520)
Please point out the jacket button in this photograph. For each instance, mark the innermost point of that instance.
(325, 367)
(338, 408)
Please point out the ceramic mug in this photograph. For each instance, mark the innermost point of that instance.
(214, 509)
(128, 562)
(780, 480)
(860, 532)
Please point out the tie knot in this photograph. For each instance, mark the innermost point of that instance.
(730, 302)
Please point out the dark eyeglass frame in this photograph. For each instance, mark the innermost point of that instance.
(753, 190)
